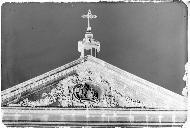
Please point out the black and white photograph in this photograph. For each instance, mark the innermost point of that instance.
(94, 64)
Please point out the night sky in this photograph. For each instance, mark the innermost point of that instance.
(148, 40)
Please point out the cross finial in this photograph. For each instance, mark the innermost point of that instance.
(89, 16)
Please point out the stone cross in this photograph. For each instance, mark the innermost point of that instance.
(89, 16)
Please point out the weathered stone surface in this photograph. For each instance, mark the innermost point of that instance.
(114, 87)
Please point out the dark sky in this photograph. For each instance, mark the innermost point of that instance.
(148, 40)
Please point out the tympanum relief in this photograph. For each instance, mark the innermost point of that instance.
(84, 88)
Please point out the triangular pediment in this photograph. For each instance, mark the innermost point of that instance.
(91, 82)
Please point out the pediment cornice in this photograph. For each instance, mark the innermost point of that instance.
(127, 84)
